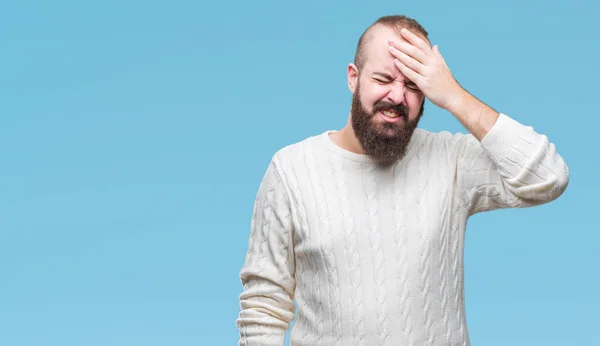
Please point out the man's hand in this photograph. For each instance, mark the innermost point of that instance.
(426, 67)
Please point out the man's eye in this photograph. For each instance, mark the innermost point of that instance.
(382, 81)
(413, 87)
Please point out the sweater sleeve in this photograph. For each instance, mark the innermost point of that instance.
(268, 274)
(512, 167)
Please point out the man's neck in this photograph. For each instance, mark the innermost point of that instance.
(347, 140)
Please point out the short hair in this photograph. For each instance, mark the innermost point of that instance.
(396, 22)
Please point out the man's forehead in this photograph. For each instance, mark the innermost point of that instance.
(378, 57)
(378, 67)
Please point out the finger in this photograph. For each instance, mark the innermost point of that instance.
(407, 60)
(409, 50)
(414, 39)
(436, 50)
(408, 72)
(439, 54)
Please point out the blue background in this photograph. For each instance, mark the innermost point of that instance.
(133, 137)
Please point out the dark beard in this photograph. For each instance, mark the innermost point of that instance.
(385, 143)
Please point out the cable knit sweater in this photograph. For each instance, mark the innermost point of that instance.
(374, 256)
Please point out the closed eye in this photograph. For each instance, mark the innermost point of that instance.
(413, 87)
(383, 81)
(382, 77)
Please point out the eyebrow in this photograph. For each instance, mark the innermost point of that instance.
(389, 77)
(383, 74)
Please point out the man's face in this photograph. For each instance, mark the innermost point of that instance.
(386, 106)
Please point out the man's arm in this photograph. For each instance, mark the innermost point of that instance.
(511, 166)
(477, 117)
(268, 274)
(502, 163)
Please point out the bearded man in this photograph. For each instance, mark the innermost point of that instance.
(363, 227)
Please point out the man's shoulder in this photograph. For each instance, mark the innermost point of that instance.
(441, 135)
(299, 150)
(440, 145)
(441, 139)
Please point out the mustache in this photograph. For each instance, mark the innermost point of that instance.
(385, 106)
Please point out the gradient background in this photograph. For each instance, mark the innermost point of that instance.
(133, 137)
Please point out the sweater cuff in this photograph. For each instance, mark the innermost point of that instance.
(504, 136)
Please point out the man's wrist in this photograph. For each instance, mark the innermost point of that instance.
(477, 117)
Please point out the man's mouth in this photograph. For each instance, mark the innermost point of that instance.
(392, 116)
(390, 113)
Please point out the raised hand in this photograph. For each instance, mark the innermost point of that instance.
(426, 67)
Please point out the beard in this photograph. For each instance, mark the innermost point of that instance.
(384, 142)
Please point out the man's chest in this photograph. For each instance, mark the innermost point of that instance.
(339, 212)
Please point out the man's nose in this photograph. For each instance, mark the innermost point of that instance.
(396, 94)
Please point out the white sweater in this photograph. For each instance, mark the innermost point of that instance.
(374, 256)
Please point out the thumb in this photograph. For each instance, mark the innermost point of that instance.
(436, 51)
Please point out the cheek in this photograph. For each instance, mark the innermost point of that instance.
(376, 93)
(370, 97)
(414, 101)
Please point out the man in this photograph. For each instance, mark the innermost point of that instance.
(364, 227)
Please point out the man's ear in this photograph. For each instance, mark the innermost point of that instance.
(352, 77)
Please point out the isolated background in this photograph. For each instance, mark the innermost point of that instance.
(133, 137)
